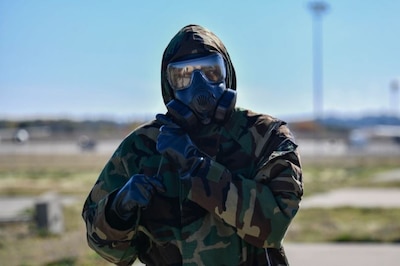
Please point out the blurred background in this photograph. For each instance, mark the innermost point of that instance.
(77, 76)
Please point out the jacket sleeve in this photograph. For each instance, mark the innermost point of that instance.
(260, 207)
(118, 244)
(112, 244)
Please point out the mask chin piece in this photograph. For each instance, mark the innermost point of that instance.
(188, 120)
(205, 121)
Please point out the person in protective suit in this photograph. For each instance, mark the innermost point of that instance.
(207, 183)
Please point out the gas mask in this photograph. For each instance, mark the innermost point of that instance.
(201, 96)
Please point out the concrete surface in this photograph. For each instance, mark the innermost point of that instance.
(355, 197)
(328, 254)
(14, 208)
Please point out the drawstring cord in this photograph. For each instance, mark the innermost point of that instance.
(159, 166)
(142, 228)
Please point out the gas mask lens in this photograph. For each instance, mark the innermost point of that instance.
(180, 74)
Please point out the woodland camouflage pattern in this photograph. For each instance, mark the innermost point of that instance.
(238, 215)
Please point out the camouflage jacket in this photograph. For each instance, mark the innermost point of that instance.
(235, 219)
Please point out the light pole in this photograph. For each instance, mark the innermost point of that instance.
(394, 97)
(317, 8)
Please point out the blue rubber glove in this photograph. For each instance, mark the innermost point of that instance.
(136, 193)
(175, 144)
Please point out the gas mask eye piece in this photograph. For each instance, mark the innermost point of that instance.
(180, 74)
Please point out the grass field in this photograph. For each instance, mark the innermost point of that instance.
(21, 244)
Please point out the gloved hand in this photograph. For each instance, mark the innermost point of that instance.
(207, 179)
(136, 193)
(175, 144)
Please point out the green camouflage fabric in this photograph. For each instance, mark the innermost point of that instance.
(237, 215)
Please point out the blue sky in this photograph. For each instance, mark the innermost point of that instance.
(96, 59)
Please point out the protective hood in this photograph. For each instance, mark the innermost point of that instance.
(194, 40)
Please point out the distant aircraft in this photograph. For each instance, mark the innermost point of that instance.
(361, 136)
(24, 134)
